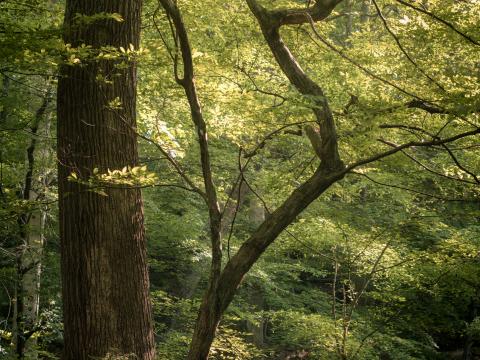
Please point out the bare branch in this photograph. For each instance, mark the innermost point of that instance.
(175, 165)
(433, 196)
(411, 144)
(445, 147)
(188, 83)
(460, 166)
(261, 91)
(426, 167)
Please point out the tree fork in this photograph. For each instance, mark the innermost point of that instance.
(223, 284)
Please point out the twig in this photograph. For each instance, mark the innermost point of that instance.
(402, 49)
(412, 190)
(444, 22)
(360, 66)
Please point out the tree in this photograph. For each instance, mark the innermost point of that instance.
(224, 280)
(104, 269)
(227, 147)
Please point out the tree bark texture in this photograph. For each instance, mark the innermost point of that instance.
(104, 266)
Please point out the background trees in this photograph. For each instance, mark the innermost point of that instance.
(384, 262)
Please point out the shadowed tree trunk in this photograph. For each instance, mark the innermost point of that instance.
(104, 267)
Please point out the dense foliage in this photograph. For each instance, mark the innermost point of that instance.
(384, 265)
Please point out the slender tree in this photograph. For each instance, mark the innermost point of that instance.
(104, 270)
(29, 248)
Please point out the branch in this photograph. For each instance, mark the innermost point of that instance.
(444, 22)
(269, 230)
(361, 67)
(425, 166)
(269, 23)
(455, 160)
(188, 83)
(411, 144)
(237, 205)
(319, 11)
(175, 165)
(445, 147)
(433, 196)
(261, 91)
(364, 286)
(407, 127)
(270, 135)
(426, 106)
(402, 49)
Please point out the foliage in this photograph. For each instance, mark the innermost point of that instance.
(383, 265)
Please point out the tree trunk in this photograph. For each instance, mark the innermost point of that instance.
(256, 292)
(223, 283)
(23, 329)
(104, 267)
(31, 280)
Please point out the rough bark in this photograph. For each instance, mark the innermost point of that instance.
(104, 267)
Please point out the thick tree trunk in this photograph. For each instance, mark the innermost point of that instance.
(104, 267)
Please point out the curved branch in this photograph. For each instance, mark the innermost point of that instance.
(319, 11)
(428, 168)
(433, 196)
(188, 83)
(411, 144)
(270, 25)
